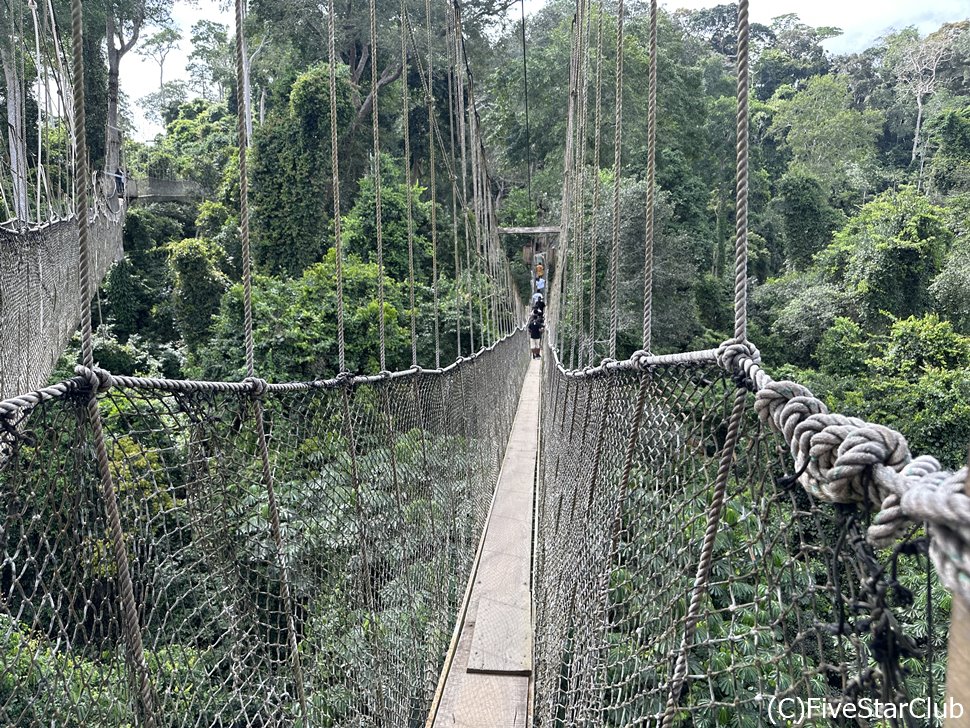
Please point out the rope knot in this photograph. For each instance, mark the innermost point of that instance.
(785, 405)
(888, 525)
(347, 378)
(735, 356)
(638, 358)
(99, 380)
(257, 386)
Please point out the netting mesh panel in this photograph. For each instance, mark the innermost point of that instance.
(797, 604)
(382, 491)
(39, 294)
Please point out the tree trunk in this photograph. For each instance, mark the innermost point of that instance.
(919, 123)
(112, 153)
(16, 138)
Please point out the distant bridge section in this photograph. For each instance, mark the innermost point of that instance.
(162, 190)
(40, 290)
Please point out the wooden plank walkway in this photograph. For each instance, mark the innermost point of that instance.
(488, 681)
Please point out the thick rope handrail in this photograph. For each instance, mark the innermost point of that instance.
(15, 406)
(840, 459)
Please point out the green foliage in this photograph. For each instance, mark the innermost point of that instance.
(807, 218)
(359, 226)
(950, 166)
(296, 327)
(888, 254)
(823, 133)
(291, 195)
(951, 288)
(198, 287)
(843, 349)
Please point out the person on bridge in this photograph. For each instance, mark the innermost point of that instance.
(536, 297)
(539, 308)
(536, 326)
(540, 270)
(540, 284)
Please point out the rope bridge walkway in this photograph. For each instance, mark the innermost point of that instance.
(684, 543)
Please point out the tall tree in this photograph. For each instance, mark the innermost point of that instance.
(11, 57)
(916, 62)
(124, 21)
(158, 46)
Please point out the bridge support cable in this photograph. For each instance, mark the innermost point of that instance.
(141, 689)
(258, 386)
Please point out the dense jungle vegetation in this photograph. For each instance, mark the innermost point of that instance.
(860, 202)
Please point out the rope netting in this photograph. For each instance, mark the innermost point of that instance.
(382, 487)
(799, 597)
(711, 542)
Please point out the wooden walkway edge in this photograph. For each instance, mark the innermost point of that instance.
(488, 679)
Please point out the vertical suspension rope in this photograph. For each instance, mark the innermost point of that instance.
(243, 141)
(429, 100)
(454, 207)
(463, 133)
(741, 191)
(617, 149)
(142, 693)
(525, 93)
(378, 212)
(651, 184)
(335, 165)
(406, 116)
(597, 142)
(258, 386)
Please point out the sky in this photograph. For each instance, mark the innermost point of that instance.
(862, 22)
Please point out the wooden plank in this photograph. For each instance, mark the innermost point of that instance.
(502, 642)
(535, 230)
(491, 701)
(958, 659)
(488, 678)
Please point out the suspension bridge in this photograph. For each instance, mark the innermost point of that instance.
(667, 540)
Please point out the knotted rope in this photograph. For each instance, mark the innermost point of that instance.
(844, 459)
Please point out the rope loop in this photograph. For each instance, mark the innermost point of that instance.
(98, 379)
(347, 379)
(257, 386)
(921, 492)
(735, 356)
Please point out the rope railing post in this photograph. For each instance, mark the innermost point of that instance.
(741, 190)
(429, 100)
(406, 124)
(258, 386)
(597, 142)
(143, 697)
(651, 184)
